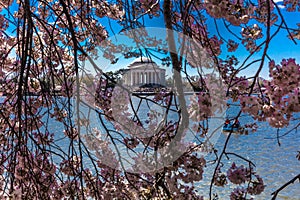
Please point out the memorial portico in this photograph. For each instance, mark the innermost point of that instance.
(144, 71)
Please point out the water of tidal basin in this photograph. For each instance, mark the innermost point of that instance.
(275, 164)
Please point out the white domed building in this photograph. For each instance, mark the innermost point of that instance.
(144, 71)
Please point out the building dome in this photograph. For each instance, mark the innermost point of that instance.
(141, 61)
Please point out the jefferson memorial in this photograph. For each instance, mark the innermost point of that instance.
(144, 71)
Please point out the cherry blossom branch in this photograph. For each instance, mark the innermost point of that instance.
(286, 133)
(241, 157)
(220, 158)
(267, 41)
(274, 194)
(218, 163)
(284, 22)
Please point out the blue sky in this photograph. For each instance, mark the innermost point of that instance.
(281, 47)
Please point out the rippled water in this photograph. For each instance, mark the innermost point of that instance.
(275, 164)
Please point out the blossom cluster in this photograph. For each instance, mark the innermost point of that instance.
(220, 179)
(150, 6)
(280, 98)
(200, 107)
(234, 12)
(246, 179)
(291, 5)
(103, 97)
(238, 175)
(207, 103)
(250, 35)
(239, 193)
